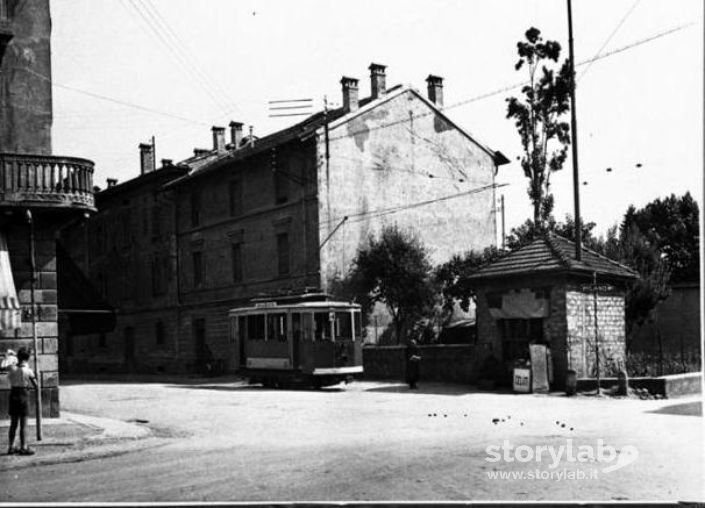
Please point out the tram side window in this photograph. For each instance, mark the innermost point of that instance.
(255, 327)
(321, 322)
(307, 326)
(276, 327)
(296, 332)
(358, 325)
(343, 326)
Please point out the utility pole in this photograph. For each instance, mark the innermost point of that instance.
(504, 236)
(33, 311)
(574, 140)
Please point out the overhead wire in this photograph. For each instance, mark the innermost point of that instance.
(507, 87)
(380, 212)
(609, 38)
(159, 33)
(214, 84)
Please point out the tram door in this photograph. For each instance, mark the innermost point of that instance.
(324, 348)
(296, 337)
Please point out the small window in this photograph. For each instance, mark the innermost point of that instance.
(276, 327)
(197, 268)
(321, 323)
(283, 254)
(235, 197)
(357, 321)
(307, 320)
(195, 208)
(296, 329)
(255, 327)
(159, 333)
(158, 276)
(236, 262)
(156, 222)
(343, 326)
(281, 186)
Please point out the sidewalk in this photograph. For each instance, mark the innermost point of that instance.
(73, 437)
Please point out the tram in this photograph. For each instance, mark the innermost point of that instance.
(297, 341)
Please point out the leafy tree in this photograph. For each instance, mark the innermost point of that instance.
(452, 276)
(537, 116)
(529, 231)
(393, 269)
(645, 293)
(671, 225)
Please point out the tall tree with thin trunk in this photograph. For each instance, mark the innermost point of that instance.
(538, 114)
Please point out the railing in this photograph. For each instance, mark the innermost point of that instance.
(45, 181)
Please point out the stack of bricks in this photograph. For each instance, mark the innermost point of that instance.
(45, 296)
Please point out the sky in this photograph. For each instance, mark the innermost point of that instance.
(127, 70)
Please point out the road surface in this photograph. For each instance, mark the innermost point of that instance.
(226, 441)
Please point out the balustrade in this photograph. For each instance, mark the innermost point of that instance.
(45, 180)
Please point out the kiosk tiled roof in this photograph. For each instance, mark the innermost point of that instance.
(553, 253)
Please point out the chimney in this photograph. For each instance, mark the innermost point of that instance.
(350, 96)
(378, 80)
(146, 158)
(112, 182)
(218, 139)
(200, 152)
(435, 89)
(166, 163)
(235, 134)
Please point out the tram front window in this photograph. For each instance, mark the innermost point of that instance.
(321, 322)
(343, 326)
(255, 327)
(276, 327)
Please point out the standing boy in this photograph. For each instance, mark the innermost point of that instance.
(21, 379)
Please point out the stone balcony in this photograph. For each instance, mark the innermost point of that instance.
(45, 181)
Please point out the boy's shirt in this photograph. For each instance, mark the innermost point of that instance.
(21, 376)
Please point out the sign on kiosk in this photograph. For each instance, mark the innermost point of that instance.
(522, 379)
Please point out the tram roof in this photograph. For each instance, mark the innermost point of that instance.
(272, 306)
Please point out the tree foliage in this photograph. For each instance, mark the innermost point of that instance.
(452, 276)
(393, 269)
(672, 226)
(537, 116)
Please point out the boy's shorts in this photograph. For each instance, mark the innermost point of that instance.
(19, 401)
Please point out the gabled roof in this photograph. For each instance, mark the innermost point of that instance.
(553, 254)
(335, 117)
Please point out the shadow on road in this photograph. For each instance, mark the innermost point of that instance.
(694, 408)
(434, 389)
(254, 388)
(184, 380)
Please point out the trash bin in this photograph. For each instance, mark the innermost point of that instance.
(571, 382)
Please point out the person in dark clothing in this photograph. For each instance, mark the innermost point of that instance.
(413, 360)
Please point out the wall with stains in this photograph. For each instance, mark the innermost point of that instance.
(401, 163)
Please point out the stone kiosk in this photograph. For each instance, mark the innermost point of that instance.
(541, 294)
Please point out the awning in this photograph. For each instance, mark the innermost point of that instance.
(10, 310)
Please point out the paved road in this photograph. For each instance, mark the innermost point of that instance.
(225, 441)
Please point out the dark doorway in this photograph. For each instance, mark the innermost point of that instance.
(129, 349)
(517, 334)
